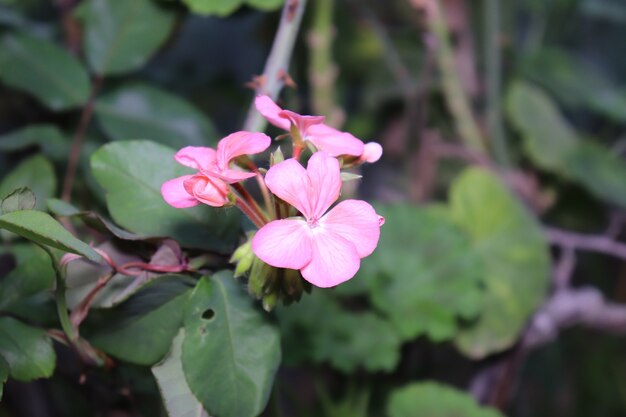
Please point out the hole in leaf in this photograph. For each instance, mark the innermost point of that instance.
(208, 314)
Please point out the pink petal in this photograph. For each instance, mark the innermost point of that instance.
(270, 111)
(333, 141)
(198, 157)
(325, 179)
(334, 260)
(289, 181)
(175, 195)
(207, 190)
(284, 243)
(372, 152)
(302, 123)
(357, 222)
(238, 144)
(232, 176)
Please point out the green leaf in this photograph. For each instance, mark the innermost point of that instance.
(120, 36)
(132, 173)
(44, 70)
(4, 374)
(41, 228)
(554, 145)
(515, 258)
(21, 199)
(141, 329)
(265, 5)
(141, 111)
(423, 268)
(220, 8)
(49, 138)
(178, 398)
(32, 275)
(36, 173)
(231, 351)
(430, 399)
(339, 341)
(27, 350)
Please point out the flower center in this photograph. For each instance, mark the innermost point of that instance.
(313, 222)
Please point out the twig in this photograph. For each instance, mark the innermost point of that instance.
(77, 141)
(71, 28)
(592, 243)
(278, 60)
(457, 100)
(493, 70)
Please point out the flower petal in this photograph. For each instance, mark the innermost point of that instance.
(372, 152)
(357, 222)
(207, 190)
(301, 122)
(232, 176)
(333, 141)
(175, 195)
(334, 260)
(238, 144)
(289, 181)
(270, 111)
(284, 243)
(325, 179)
(198, 157)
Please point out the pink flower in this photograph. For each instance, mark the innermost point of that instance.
(312, 129)
(210, 184)
(326, 248)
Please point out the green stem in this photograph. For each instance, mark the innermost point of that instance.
(457, 100)
(493, 70)
(322, 70)
(277, 63)
(64, 318)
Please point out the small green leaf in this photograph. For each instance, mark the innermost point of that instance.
(120, 36)
(36, 173)
(41, 228)
(220, 8)
(554, 145)
(21, 199)
(49, 138)
(43, 69)
(32, 275)
(515, 257)
(132, 173)
(231, 351)
(4, 374)
(339, 341)
(141, 111)
(141, 329)
(27, 350)
(178, 398)
(430, 399)
(265, 5)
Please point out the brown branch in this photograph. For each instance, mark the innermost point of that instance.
(71, 28)
(591, 243)
(77, 141)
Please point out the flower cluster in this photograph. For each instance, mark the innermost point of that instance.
(298, 229)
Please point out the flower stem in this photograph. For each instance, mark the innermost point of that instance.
(64, 317)
(251, 202)
(277, 63)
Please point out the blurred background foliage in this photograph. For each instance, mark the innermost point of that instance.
(503, 185)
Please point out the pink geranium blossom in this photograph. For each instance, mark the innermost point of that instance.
(210, 184)
(325, 246)
(313, 129)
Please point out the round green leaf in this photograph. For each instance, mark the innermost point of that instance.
(141, 329)
(120, 35)
(515, 258)
(178, 398)
(231, 351)
(27, 350)
(44, 70)
(36, 173)
(424, 269)
(265, 4)
(142, 111)
(429, 399)
(41, 228)
(32, 274)
(214, 7)
(132, 174)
